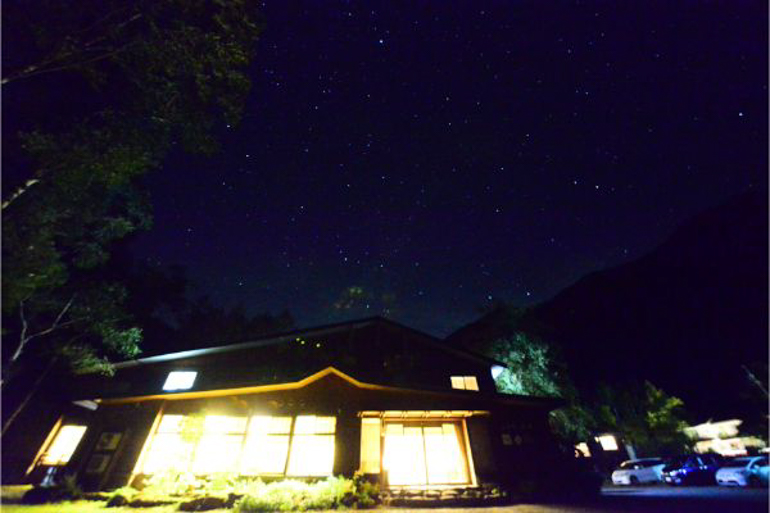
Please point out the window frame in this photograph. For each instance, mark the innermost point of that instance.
(464, 382)
(192, 464)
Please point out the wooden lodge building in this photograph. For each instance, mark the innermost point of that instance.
(369, 396)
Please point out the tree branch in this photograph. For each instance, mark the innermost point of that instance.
(36, 70)
(21, 190)
(24, 338)
(58, 58)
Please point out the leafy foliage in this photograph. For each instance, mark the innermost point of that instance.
(534, 368)
(651, 420)
(142, 77)
(531, 369)
(291, 495)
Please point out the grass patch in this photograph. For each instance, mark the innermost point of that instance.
(83, 507)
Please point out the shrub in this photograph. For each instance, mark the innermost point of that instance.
(67, 489)
(171, 483)
(291, 495)
(367, 493)
(125, 491)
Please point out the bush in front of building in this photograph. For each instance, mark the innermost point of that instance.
(292, 495)
(66, 490)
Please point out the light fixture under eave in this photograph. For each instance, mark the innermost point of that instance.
(497, 370)
(179, 380)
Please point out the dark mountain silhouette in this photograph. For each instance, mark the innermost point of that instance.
(686, 317)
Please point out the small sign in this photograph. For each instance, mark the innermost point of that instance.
(108, 441)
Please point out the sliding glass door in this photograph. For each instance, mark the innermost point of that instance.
(425, 453)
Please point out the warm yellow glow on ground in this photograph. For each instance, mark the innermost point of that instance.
(63, 446)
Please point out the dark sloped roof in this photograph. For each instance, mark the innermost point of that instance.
(315, 331)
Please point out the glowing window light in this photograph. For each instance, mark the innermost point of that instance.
(179, 380)
(370, 445)
(465, 383)
(265, 454)
(170, 424)
(220, 446)
(217, 453)
(168, 452)
(443, 455)
(63, 446)
(404, 455)
(265, 450)
(583, 449)
(224, 424)
(267, 445)
(428, 454)
(312, 446)
(311, 455)
(607, 442)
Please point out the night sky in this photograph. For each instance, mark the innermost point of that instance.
(442, 156)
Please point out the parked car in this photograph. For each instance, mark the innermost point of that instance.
(634, 472)
(748, 471)
(692, 469)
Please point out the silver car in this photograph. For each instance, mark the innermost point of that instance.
(634, 472)
(748, 471)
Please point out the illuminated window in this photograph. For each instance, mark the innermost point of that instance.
(607, 442)
(180, 380)
(582, 450)
(63, 446)
(312, 448)
(261, 445)
(465, 383)
(370, 445)
(424, 454)
(169, 450)
(219, 445)
(267, 446)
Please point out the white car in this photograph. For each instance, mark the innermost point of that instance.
(748, 471)
(634, 472)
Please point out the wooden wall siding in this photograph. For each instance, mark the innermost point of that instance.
(482, 449)
(376, 353)
(331, 395)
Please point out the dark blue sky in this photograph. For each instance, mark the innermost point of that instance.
(439, 156)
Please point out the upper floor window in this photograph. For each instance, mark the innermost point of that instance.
(179, 380)
(465, 383)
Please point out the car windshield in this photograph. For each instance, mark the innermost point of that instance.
(737, 463)
(677, 461)
(627, 465)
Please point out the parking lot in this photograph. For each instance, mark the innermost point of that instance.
(644, 499)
